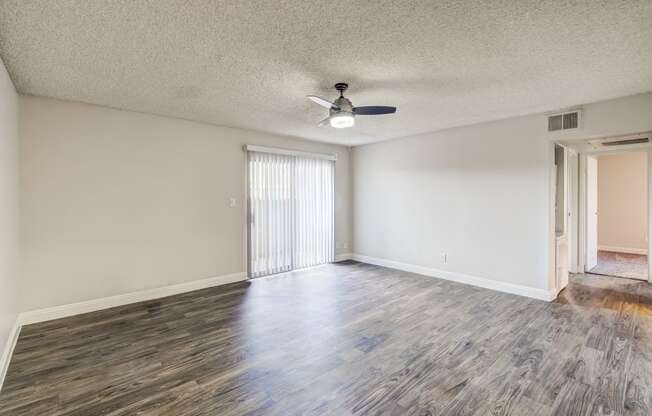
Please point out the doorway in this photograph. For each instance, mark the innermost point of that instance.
(617, 214)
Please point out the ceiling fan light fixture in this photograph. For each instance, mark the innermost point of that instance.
(342, 113)
(342, 120)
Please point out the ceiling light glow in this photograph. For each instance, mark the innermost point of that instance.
(342, 120)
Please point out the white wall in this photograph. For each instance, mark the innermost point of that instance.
(481, 194)
(8, 207)
(615, 117)
(622, 202)
(478, 193)
(115, 201)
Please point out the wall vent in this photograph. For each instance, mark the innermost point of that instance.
(571, 121)
(564, 121)
(624, 142)
(555, 123)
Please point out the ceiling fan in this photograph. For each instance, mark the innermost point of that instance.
(342, 112)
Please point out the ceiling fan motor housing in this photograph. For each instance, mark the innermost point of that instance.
(343, 106)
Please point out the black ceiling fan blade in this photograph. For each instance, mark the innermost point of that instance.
(323, 102)
(372, 110)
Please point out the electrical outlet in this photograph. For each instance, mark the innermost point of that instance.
(233, 202)
(345, 245)
(444, 258)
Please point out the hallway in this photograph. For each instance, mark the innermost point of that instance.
(631, 266)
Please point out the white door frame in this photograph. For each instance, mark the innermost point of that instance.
(572, 207)
(649, 214)
(581, 211)
(591, 258)
(582, 214)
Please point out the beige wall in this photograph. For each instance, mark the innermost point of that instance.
(8, 207)
(622, 201)
(116, 201)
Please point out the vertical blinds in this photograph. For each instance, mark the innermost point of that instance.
(291, 212)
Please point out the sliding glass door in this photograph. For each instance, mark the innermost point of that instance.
(291, 212)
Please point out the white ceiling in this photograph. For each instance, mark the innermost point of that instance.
(250, 64)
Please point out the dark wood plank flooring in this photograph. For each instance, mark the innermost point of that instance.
(345, 339)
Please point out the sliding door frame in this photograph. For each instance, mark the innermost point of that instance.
(248, 148)
(247, 213)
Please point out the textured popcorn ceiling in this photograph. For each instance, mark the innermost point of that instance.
(250, 63)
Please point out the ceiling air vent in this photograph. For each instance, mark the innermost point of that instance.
(564, 121)
(640, 140)
(554, 123)
(571, 120)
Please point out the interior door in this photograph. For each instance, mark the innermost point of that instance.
(591, 212)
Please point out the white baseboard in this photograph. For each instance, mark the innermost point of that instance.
(62, 311)
(8, 351)
(343, 257)
(514, 289)
(627, 250)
